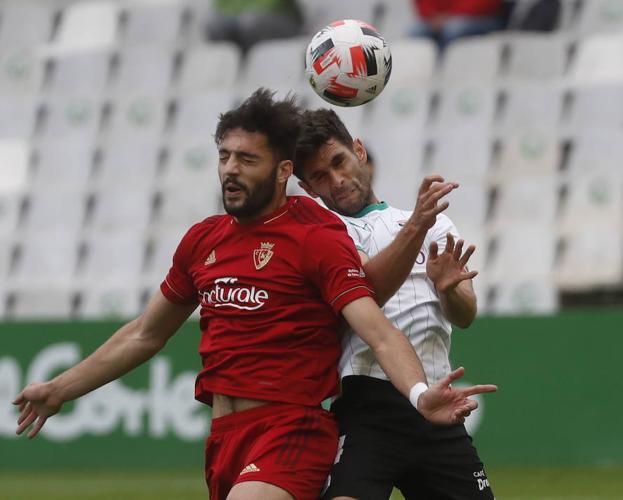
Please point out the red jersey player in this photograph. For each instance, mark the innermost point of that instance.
(272, 278)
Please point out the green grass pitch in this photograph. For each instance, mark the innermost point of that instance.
(508, 484)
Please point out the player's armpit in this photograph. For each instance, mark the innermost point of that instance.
(363, 256)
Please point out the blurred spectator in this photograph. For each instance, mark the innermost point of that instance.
(447, 20)
(246, 22)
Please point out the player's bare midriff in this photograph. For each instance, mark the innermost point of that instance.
(224, 405)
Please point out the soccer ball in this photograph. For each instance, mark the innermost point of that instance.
(348, 63)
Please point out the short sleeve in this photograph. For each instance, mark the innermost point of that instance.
(178, 286)
(360, 234)
(332, 263)
(442, 227)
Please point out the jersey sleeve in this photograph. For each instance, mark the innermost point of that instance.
(178, 286)
(360, 235)
(332, 263)
(442, 227)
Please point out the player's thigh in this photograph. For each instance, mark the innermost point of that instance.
(365, 467)
(450, 470)
(254, 490)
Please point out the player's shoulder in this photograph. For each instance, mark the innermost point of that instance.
(307, 212)
(205, 228)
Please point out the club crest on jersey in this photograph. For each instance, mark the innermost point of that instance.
(262, 255)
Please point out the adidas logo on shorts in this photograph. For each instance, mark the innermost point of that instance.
(250, 468)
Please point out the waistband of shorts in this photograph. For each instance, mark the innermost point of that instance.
(361, 390)
(243, 418)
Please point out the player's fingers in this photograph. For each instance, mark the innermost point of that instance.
(458, 250)
(439, 208)
(435, 193)
(428, 181)
(26, 423)
(449, 243)
(432, 250)
(19, 399)
(478, 389)
(467, 255)
(37, 427)
(452, 376)
(24, 412)
(470, 275)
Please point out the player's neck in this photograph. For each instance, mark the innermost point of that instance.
(274, 205)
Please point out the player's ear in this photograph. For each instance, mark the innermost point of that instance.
(284, 171)
(360, 150)
(307, 188)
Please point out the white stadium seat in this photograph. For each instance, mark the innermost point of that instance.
(10, 206)
(81, 73)
(525, 297)
(414, 62)
(527, 154)
(42, 302)
(26, 24)
(599, 59)
(47, 258)
(129, 163)
(596, 107)
(88, 25)
(122, 207)
(396, 19)
(531, 105)
(21, 72)
(599, 16)
(113, 301)
(18, 116)
(467, 108)
(153, 22)
(59, 209)
(137, 117)
(72, 118)
(286, 68)
(14, 164)
(598, 151)
(63, 164)
(209, 66)
(536, 57)
(461, 158)
(197, 114)
(475, 58)
(144, 70)
(113, 258)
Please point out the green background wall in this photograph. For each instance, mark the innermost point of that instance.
(560, 400)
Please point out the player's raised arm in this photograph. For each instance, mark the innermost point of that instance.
(440, 404)
(131, 345)
(389, 269)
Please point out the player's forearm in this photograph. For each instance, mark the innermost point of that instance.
(459, 305)
(399, 361)
(389, 269)
(126, 349)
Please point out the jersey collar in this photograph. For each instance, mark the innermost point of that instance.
(370, 208)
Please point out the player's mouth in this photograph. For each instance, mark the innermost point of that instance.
(232, 190)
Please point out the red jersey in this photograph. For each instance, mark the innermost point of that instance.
(270, 294)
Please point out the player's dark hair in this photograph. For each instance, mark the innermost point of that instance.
(279, 121)
(318, 126)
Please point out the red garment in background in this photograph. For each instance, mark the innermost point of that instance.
(428, 9)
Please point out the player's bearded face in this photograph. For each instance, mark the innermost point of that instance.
(340, 178)
(250, 198)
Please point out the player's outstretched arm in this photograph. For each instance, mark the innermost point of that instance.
(440, 404)
(388, 270)
(448, 271)
(131, 345)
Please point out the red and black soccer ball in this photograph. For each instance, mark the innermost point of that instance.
(348, 63)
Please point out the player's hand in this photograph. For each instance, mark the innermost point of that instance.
(427, 207)
(442, 404)
(447, 269)
(36, 403)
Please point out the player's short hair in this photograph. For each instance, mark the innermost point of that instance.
(279, 121)
(318, 126)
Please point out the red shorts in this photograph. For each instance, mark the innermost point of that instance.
(290, 446)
